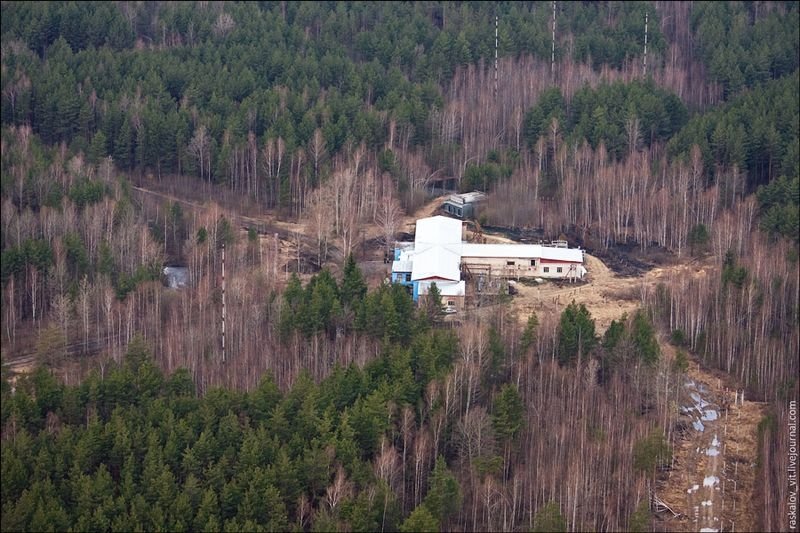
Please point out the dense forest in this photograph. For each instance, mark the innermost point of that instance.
(340, 405)
(360, 450)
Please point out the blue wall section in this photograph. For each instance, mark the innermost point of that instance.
(400, 277)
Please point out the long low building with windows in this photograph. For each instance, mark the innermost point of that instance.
(524, 260)
(439, 255)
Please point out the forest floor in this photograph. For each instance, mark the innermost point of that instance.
(428, 209)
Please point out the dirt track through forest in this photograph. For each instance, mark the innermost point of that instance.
(712, 480)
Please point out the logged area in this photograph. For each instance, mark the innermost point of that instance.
(399, 266)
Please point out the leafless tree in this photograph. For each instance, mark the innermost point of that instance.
(632, 129)
(339, 489)
(317, 148)
(199, 148)
(389, 218)
(84, 294)
(62, 309)
(223, 25)
(475, 434)
(318, 219)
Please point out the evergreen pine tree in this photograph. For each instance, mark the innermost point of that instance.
(549, 519)
(576, 333)
(433, 303)
(354, 288)
(444, 495)
(421, 520)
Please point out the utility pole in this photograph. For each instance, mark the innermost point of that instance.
(495, 55)
(644, 64)
(223, 302)
(275, 255)
(553, 47)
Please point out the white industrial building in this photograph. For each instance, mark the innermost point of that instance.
(524, 260)
(439, 255)
(464, 205)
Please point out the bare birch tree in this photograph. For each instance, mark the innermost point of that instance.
(388, 218)
(199, 148)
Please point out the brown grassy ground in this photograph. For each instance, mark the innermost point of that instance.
(732, 500)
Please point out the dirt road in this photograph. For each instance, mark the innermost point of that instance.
(712, 480)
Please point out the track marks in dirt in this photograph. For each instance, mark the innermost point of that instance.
(713, 475)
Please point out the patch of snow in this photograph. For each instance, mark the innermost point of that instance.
(177, 277)
(710, 481)
(698, 425)
(712, 452)
(710, 415)
(708, 530)
(698, 400)
(706, 503)
(715, 442)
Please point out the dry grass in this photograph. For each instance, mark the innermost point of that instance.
(740, 464)
(735, 466)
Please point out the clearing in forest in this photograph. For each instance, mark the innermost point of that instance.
(606, 295)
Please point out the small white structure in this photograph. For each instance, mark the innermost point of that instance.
(452, 292)
(176, 277)
(464, 205)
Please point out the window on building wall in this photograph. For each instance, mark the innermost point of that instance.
(510, 263)
(533, 262)
(458, 211)
(559, 269)
(451, 303)
(408, 277)
(546, 269)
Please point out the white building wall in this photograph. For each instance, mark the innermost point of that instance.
(521, 267)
